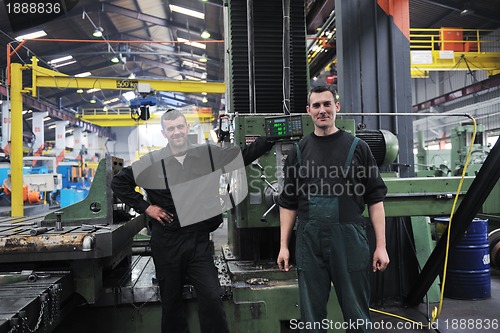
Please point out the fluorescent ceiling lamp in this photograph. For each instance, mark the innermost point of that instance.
(90, 91)
(189, 77)
(93, 100)
(79, 91)
(27, 111)
(192, 64)
(203, 58)
(115, 60)
(64, 64)
(109, 101)
(69, 131)
(129, 95)
(195, 44)
(185, 11)
(61, 59)
(84, 74)
(52, 126)
(32, 35)
(204, 93)
(46, 118)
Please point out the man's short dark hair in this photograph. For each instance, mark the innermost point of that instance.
(171, 114)
(320, 89)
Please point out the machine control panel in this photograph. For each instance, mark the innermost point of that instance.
(284, 127)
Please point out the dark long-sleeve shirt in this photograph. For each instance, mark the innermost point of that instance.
(159, 171)
(322, 173)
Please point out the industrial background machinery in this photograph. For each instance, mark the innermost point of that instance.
(89, 259)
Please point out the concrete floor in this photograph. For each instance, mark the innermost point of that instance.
(457, 316)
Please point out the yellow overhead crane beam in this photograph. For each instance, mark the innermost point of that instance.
(46, 78)
(121, 117)
(42, 77)
(448, 49)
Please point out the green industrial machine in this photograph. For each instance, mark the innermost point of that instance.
(461, 140)
(450, 162)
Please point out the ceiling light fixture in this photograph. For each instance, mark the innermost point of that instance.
(185, 11)
(205, 34)
(93, 100)
(203, 58)
(115, 60)
(467, 9)
(84, 74)
(61, 59)
(188, 43)
(36, 34)
(98, 32)
(131, 76)
(79, 91)
(64, 64)
(205, 99)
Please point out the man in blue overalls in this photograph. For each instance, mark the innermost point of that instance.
(328, 179)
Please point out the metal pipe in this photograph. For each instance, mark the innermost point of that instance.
(388, 114)
(38, 231)
(412, 114)
(479, 190)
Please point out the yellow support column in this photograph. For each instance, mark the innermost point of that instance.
(16, 139)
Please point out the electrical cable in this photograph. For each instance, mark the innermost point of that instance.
(436, 311)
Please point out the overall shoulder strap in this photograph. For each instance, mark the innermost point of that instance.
(350, 155)
(298, 153)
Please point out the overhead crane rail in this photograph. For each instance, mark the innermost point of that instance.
(116, 117)
(447, 49)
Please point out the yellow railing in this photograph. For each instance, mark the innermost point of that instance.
(454, 39)
(448, 49)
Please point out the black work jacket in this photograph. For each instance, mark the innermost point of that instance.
(149, 173)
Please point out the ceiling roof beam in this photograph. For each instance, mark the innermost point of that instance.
(106, 7)
(457, 7)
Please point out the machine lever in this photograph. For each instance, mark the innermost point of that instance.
(258, 165)
(264, 216)
(264, 178)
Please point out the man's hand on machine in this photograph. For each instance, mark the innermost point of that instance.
(159, 214)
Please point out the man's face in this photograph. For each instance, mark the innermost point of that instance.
(323, 109)
(176, 132)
